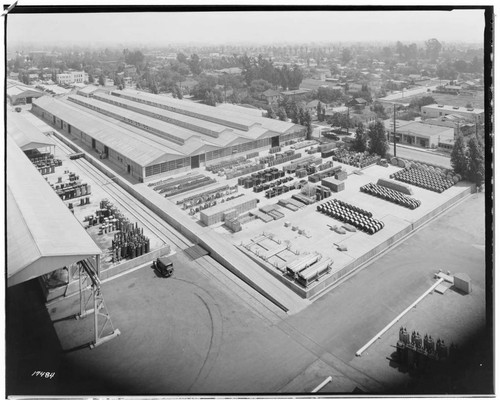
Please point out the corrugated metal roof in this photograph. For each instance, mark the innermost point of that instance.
(251, 126)
(181, 118)
(138, 148)
(13, 91)
(25, 134)
(171, 132)
(42, 234)
(178, 134)
(202, 110)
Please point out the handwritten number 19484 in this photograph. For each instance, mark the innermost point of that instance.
(43, 374)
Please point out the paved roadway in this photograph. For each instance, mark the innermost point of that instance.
(187, 335)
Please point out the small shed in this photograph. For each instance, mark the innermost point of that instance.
(462, 282)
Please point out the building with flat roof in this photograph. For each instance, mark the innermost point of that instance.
(296, 94)
(315, 84)
(475, 115)
(149, 136)
(420, 134)
(72, 77)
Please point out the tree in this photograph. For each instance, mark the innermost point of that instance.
(134, 58)
(210, 99)
(293, 112)
(282, 114)
(259, 86)
(194, 64)
(418, 103)
(182, 58)
(379, 109)
(475, 170)
(101, 80)
(378, 139)
(307, 119)
(359, 143)
(178, 92)
(346, 56)
(285, 77)
(270, 113)
(301, 117)
(432, 49)
(339, 120)
(328, 95)
(295, 77)
(91, 78)
(459, 157)
(319, 111)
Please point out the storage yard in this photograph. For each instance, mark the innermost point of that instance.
(318, 204)
(266, 237)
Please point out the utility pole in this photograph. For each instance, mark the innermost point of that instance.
(347, 125)
(394, 138)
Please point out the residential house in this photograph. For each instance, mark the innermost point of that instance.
(297, 94)
(271, 96)
(358, 103)
(312, 107)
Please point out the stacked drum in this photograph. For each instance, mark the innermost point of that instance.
(426, 179)
(390, 195)
(350, 214)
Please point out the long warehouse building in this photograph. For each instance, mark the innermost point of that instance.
(149, 136)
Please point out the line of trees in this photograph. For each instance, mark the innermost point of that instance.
(467, 159)
(260, 68)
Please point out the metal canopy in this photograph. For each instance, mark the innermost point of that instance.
(42, 234)
(25, 134)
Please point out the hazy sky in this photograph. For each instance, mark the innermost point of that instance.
(235, 27)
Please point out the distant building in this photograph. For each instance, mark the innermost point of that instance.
(130, 70)
(475, 115)
(357, 103)
(312, 106)
(17, 93)
(231, 71)
(271, 96)
(296, 94)
(315, 84)
(87, 91)
(449, 89)
(454, 121)
(72, 77)
(354, 88)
